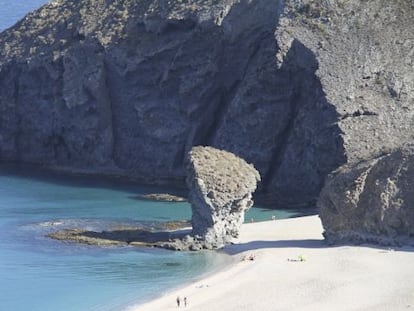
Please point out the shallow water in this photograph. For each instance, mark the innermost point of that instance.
(40, 274)
(53, 275)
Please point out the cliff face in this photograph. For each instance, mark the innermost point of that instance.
(365, 53)
(129, 87)
(372, 201)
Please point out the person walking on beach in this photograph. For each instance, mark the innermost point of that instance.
(178, 301)
(185, 301)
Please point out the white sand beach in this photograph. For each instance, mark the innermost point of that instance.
(330, 278)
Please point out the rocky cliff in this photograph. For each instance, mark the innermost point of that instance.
(128, 87)
(372, 201)
(365, 56)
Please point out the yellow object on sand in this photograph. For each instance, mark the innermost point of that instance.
(302, 258)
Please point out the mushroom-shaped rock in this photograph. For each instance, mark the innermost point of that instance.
(221, 186)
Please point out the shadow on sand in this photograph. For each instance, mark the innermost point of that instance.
(307, 244)
(255, 245)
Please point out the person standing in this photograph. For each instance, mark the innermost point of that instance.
(185, 301)
(178, 301)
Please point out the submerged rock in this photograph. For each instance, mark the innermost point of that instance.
(161, 236)
(221, 187)
(372, 201)
(164, 197)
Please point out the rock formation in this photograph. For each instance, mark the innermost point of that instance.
(129, 87)
(364, 52)
(165, 197)
(221, 186)
(372, 201)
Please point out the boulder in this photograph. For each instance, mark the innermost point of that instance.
(221, 187)
(372, 201)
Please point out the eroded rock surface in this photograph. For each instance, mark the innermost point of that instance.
(372, 201)
(129, 87)
(221, 187)
(161, 235)
(364, 52)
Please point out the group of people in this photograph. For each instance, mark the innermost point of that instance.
(179, 301)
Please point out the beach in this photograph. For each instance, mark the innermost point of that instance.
(286, 265)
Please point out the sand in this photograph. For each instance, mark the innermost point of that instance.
(327, 278)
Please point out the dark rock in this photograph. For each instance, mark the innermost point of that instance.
(372, 201)
(128, 88)
(133, 236)
(165, 197)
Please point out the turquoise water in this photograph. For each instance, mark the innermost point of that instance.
(53, 275)
(40, 274)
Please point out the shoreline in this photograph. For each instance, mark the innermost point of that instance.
(293, 269)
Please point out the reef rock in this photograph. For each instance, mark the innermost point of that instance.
(221, 186)
(163, 197)
(372, 201)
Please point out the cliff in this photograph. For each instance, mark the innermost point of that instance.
(129, 87)
(372, 201)
(365, 56)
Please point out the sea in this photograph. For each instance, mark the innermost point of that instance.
(41, 274)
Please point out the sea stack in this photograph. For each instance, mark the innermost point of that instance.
(221, 186)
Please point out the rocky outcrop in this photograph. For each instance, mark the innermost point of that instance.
(155, 235)
(372, 201)
(128, 87)
(364, 52)
(163, 197)
(221, 187)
